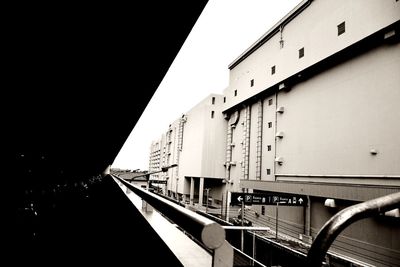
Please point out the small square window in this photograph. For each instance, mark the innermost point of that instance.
(252, 83)
(213, 100)
(270, 101)
(212, 114)
(268, 171)
(224, 99)
(272, 70)
(269, 124)
(235, 93)
(301, 52)
(341, 28)
(269, 147)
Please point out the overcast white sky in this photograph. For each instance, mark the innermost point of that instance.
(224, 30)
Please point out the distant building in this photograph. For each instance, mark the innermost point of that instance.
(195, 142)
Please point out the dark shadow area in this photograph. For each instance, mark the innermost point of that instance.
(76, 79)
(90, 222)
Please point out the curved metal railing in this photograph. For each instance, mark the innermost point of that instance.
(344, 218)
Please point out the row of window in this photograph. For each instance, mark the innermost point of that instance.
(273, 68)
(213, 100)
(341, 28)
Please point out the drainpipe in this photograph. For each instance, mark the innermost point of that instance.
(259, 140)
(276, 130)
(246, 144)
(228, 168)
(232, 121)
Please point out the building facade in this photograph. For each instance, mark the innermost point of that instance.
(194, 142)
(313, 111)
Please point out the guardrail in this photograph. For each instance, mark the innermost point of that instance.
(344, 218)
(209, 233)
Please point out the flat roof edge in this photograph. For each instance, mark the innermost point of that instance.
(271, 32)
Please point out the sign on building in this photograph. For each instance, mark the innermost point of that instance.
(268, 199)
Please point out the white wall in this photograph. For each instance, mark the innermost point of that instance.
(315, 29)
(331, 121)
(204, 142)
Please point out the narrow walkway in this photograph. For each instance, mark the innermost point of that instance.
(185, 249)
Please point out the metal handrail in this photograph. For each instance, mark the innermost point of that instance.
(210, 233)
(344, 218)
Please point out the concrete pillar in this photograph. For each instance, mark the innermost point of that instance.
(191, 191)
(201, 189)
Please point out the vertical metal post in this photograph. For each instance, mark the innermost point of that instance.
(276, 221)
(254, 247)
(207, 190)
(227, 201)
(307, 224)
(222, 206)
(191, 197)
(242, 232)
(201, 191)
(226, 205)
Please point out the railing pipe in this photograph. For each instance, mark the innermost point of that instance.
(344, 218)
(210, 233)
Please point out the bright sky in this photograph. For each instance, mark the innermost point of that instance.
(224, 30)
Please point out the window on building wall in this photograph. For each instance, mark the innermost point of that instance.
(270, 101)
(213, 100)
(301, 52)
(273, 70)
(270, 124)
(212, 114)
(268, 171)
(262, 210)
(224, 99)
(341, 28)
(235, 93)
(251, 82)
(269, 147)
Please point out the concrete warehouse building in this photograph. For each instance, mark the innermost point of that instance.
(195, 142)
(312, 109)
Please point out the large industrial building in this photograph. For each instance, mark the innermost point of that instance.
(194, 142)
(312, 109)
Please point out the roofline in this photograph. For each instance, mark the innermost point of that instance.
(285, 20)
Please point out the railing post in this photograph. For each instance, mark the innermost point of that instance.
(223, 256)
